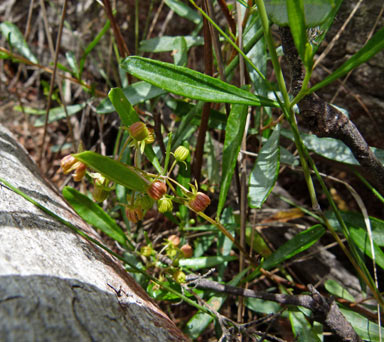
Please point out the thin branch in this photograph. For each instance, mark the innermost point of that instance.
(198, 158)
(53, 78)
(324, 310)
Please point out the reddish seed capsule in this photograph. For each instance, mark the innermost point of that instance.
(200, 202)
(187, 250)
(134, 215)
(138, 131)
(174, 240)
(156, 190)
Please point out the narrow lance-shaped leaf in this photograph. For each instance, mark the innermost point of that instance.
(367, 330)
(297, 25)
(204, 262)
(12, 33)
(180, 56)
(189, 83)
(114, 170)
(93, 214)
(128, 116)
(233, 136)
(373, 46)
(264, 174)
(183, 10)
(299, 243)
(136, 93)
(168, 43)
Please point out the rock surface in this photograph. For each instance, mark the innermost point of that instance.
(54, 285)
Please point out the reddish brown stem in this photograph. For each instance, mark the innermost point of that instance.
(198, 159)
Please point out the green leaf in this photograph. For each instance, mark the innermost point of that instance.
(189, 83)
(16, 40)
(334, 288)
(128, 116)
(297, 25)
(204, 262)
(366, 329)
(136, 93)
(127, 113)
(160, 293)
(356, 220)
(361, 239)
(331, 148)
(316, 11)
(55, 114)
(70, 56)
(265, 171)
(299, 243)
(183, 10)
(302, 329)
(233, 136)
(255, 48)
(114, 170)
(168, 43)
(262, 306)
(373, 46)
(93, 214)
(180, 53)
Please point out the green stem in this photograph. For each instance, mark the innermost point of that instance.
(303, 90)
(286, 107)
(369, 186)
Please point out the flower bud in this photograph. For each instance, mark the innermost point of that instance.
(164, 204)
(138, 131)
(68, 163)
(187, 250)
(181, 153)
(174, 240)
(145, 202)
(199, 202)
(156, 190)
(146, 250)
(179, 276)
(80, 172)
(172, 251)
(134, 215)
(99, 193)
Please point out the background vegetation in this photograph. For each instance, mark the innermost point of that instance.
(287, 207)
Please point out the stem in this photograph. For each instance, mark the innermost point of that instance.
(226, 233)
(286, 106)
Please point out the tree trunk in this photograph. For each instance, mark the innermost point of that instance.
(54, 285)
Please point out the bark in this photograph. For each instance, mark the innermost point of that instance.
(54, 285)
